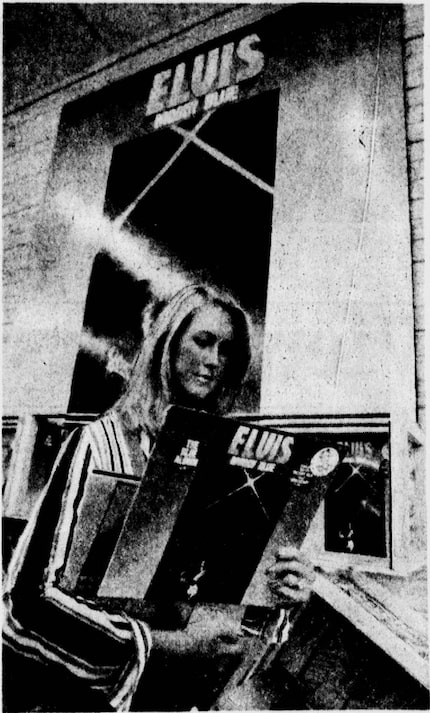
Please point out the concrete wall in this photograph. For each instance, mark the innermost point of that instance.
(29, 138)
(339, 324)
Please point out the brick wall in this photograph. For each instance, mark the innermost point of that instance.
(29, 138)
(28, 142)
(413, 18)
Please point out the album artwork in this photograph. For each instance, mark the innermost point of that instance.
(218, 498)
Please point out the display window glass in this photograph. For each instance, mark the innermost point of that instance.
(199, 194)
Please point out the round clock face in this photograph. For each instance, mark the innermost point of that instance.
(324, 461)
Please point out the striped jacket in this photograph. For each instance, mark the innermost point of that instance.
(43, 619)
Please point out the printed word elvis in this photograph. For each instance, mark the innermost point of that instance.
(214, 75)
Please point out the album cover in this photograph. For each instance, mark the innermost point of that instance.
(218, 498)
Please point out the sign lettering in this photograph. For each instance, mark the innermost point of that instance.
(212, 77)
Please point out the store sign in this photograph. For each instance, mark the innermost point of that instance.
(204, 83)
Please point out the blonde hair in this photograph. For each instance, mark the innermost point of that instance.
(150, 387)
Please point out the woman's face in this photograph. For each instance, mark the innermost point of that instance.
(203, 353)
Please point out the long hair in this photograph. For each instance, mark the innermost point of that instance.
(150, 387)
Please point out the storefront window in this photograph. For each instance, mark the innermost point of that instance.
(200, 194)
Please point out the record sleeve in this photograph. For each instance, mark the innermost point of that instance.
(218, 498)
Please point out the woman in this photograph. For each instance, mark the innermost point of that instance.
(196, 352)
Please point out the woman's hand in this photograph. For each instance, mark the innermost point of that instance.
(211, 631)
(291, 577)
(195, 662)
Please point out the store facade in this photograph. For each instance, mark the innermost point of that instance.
(268, 151)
